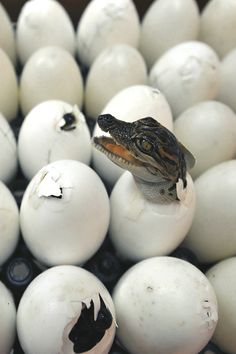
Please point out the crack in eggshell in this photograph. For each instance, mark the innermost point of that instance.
(8, 135)
(61, 122)
(50, 185)
(210, 314)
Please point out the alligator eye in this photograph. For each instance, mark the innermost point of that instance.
(144, 145)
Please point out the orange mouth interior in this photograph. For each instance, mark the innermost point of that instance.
(118, 150)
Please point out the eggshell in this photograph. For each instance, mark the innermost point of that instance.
(222, 278)
(208, 130)
(167, 23)
(64, 214)
(9, 225)
(228, 80)
(43, 130)
(186, 74)
(212, 234)
(9, 88)
(51, 306)
(7, 36)
(50, 73)
(7, 320)
(114, 69)
(140, 228)
(103, 23)
(164, 305)
(42, 23)
(8, 152)
(217, 25)
(144, 101)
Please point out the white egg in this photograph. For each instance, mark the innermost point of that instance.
(212, 234)
(186, 74)
(140, 228)
(222, 278)
(143, 101)
(164, 305)
(7, 320)
(9, 88)
(103, 23)
(115, 68)
(64, 214)
(8, 151)
(48, 317)
(208, 130)
(228, 80)
(9, 224)
(50, 73)
(167, 23)
(57, 131)
(7, 38)
(42, 23)
(217, 25)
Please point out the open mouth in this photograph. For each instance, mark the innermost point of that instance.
(115, 151)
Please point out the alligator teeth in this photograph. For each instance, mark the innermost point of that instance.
(117, 159)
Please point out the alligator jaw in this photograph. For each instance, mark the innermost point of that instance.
(116, 152)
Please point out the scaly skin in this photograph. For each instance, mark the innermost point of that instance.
(149, 151)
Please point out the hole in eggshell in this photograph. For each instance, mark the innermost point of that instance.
(58, 196)
(87, 332)
(69, 122)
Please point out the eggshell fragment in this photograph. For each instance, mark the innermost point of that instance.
(104, 23)
(46, 129)
(7, 36)
(140, 228)
(208, 130)
(217, 25)
(9, 88)
(222, 279)
(52, 306)
(186, 74)
(64, 214)
(50, 73)
(164, 305)
(7, 320)
(144, 101)
(212, 234)
(115, 68)
(228, 80)
(8, 151)
(167, 23)
(9, 224)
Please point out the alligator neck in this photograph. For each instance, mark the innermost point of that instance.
(157, 192)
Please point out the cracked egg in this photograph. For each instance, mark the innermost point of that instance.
(66, 310)
(55, 210)
(56, 130)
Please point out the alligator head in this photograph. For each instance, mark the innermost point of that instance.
(148, 150)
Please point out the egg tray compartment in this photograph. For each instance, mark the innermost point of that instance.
(22, 268)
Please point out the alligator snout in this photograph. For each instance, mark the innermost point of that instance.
(106, 122)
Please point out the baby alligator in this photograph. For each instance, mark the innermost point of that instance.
(157, 160)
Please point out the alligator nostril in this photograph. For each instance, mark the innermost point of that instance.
(105, 121)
